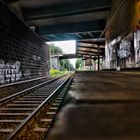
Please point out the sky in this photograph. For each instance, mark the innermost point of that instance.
(68, 47)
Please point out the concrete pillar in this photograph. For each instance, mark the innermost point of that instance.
(98, 58)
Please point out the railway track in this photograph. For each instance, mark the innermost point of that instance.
(29, 115)
(9, 89)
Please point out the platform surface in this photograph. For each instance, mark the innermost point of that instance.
(100, 106)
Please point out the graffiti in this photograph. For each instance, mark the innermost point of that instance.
(36, 58)
(124, 49)
(9, 72)
(120, 52)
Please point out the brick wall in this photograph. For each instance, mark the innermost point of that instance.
(23, 55)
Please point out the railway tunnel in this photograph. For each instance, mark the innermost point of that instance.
(85, 105)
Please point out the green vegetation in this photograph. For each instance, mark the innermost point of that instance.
(79, 64)
(57, 73)
(66, 65)
(54, 50)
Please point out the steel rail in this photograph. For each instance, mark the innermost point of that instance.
(25, 81)
(25, 122)
(27, 90)
(62, 102)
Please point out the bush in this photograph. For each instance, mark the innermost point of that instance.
(56, 72)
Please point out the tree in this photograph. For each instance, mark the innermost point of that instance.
(65, 64)
(54, 50)
(79, 63)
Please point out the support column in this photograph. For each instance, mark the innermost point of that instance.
(90, 63)
(98, 57)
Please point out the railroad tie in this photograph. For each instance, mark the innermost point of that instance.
(55, 104)
(46, 120)
(11, 121)
(17, 109)
(14, 114)
(39, 129)
(22, 105)
(53, 108)
(6, 130)
(51, 113)
(27, 102)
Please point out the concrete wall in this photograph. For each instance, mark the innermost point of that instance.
(122, 35)
(54, 62)
(23, 55)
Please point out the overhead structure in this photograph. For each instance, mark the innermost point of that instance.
(90, 49)
(56, 20)
(63, 19)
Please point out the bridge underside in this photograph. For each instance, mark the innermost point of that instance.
(63, 19)
(69, 56)
(58, 20)
(90, 23)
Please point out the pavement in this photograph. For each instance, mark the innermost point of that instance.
(100, 106)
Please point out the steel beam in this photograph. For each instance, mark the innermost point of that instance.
(72, 27)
